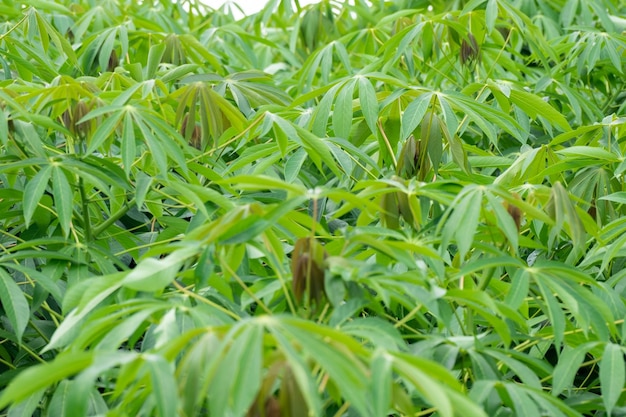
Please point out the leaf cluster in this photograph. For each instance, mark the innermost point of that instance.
(383, 208)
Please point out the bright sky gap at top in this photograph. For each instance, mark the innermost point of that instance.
(249, 6)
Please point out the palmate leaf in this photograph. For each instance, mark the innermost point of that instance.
(591, 313)
(47, 32)
(322, 60)
(483, 116)
(216, 113)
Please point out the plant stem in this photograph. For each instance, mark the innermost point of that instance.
(205, 300)
(485, 281)
(114, 217)
(85, 202)
(244, 286)
(388, 144)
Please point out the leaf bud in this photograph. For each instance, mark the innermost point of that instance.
(307, 268)
(470, 51)
(409, 158)
(71, 119)
(515, 212)
(191, 132)
(405, 208)
(113, 61)
(390, 214)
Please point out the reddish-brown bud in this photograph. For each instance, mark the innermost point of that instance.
(307, 267)
(470, 51)
(515, 212)
(73, 115)
(191, 132)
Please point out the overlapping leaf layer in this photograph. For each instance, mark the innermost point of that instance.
(395, 208)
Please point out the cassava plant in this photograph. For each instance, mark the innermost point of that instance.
(365, 208)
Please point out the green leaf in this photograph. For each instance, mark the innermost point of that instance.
(491, 14)
(14, 304)
(534, 105)
(129, 148)
(520, 401)
(518, 290)
(484, 116)
(103, 132)
(414, 113)
(154, 59)
(301, 373)
(618, 197)
(463, 222)
(342, 114)
(58, 403)
(369, 103)
(345, 369)
(154, 274)
(568, 366)
(381, 383)
(39, 377)
(4, 128)
(164, 387)
(431, 133)
(505, 221)
(33, 192)
(526, 374)
(589, 152)
(294, 165)
(261, 182)
(238, 377)
(553, 311)
(63, 198)
(157, 151)
(612, 375)
(487, 263)
(27, 407)
(83, 298)
(44, 280)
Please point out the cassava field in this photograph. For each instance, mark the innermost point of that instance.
(403, 208)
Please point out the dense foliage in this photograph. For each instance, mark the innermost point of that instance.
(403, 208)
